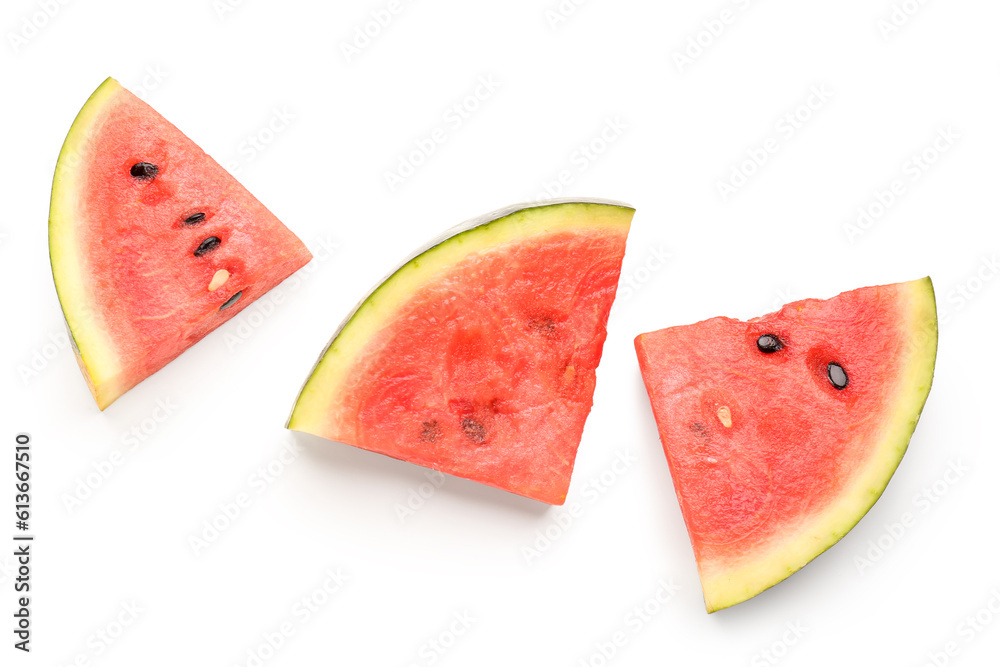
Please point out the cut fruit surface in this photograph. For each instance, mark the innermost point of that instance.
(152, 243)
(478, 356)
(783, 431)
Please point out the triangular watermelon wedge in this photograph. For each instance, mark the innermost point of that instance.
(783, 431)
(478, 356)
(153, 244)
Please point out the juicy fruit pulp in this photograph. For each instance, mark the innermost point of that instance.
(783, 431)
(478, 357)
(143, 227)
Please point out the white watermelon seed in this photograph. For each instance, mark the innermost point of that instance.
(218, 280)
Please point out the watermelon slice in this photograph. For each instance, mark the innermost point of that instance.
(477, 357)
(783, 431)
(153, 244)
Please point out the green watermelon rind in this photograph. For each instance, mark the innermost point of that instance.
(94, 352)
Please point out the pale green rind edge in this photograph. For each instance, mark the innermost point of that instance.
(93, 351)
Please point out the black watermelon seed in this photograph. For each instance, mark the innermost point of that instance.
(194, 219)
(769, 343)
(233, 299)
(431, 431)
(837, 375)
(473, 430)
(207, 246)
(144, 171)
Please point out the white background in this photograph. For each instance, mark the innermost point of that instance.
(222, 75)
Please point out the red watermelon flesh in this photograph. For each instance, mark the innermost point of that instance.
(773, 460)
(478, 357)
(153, 244)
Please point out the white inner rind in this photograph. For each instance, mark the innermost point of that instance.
(95, 351)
